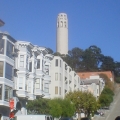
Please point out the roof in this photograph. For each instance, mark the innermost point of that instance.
(89, 81)
(85, 75)
(1, 23)
(8, 36)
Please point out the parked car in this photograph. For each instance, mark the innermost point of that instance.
(97, 113)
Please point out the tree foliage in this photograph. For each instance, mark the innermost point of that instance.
(40, 106)
(106, 97)
(84, 102)
(61, 107)
(55, 107)
(91, 59)
(108, 82)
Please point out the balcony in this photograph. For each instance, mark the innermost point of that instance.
(47, 77)
(22, 94)
(38, 92)
(31, 96)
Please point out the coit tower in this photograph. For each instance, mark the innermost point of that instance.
(62, 34)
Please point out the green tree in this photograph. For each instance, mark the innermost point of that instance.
(76, 57)
(108, 63)
(40, 106)
(106, 97)
(91, 58)
(76, 98)
(55, 107)
(90, 105)
(105, 100)
(108, 91)
(61, 107)
(108, 82)
(84, 102)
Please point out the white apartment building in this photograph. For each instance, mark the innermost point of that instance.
(63, 79)
(24, 74)
(7, 61)
(32, 75)
(94, 84)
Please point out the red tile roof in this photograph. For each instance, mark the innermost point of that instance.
(84, 75)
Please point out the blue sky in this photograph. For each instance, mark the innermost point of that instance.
(91, 22)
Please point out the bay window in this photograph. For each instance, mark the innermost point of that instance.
(1, 46)
(8, 93)
(20, 82)
(30, 66)
(9, 50)
(21, 60)
(1, 68)
(37, 84)
(29, 87)
(46, 88)
(38, 64)
(8, 71)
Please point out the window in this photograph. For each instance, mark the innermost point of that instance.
(30, 66)
(60, 76)
(56, 90)
(56, 62)
(27, 62)
(47, 69)
(38, 64)
(46, 87)
(21, 60)
(65, 24)
(0, 91)
(20, 82)
(10, 48)
(65, 66)
(59, 90)
(37, 84)
(1, 68)
(56, 76)
(42, 85)
(8, 93)
(8, 71)
(29, 86)
(26, 86)
(1, 46)
(60, 63)
(61, 23)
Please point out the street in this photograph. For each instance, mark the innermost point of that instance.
(114, 110)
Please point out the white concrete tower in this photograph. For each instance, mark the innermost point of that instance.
(62, 34)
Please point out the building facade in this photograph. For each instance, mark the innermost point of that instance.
(7, 61)
(24, 74)
(63, 79)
